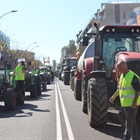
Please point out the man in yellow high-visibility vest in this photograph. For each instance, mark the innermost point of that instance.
(20, 76)
(129, 93)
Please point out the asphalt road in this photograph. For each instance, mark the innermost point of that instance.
(55, 115)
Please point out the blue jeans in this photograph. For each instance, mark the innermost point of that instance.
(130, 124)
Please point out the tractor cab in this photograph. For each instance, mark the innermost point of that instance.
(120, 43)
(97, 76)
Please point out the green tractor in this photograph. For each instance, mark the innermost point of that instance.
(43, 76)
(32, 81)
(7, 92)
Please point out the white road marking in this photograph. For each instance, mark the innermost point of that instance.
(69, 130)
(58, 120)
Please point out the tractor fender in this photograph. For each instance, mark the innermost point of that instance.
(78, 74)
(98, 73)
(88, 66)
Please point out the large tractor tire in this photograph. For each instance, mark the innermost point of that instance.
(97, 102)
(10, 99)
(84, 84)
(20, 98)
(66, 78)
(44, 86)
(39, 89)
(38, 84)
(70, 80)
(77, 89)
(72, 83)
(33, 91)
(49, 80)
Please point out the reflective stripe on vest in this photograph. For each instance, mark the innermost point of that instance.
(129, 96)
(19, 74)
(126, 90)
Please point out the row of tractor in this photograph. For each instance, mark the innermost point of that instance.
(67, 65)
(33, 83)
(95, 78)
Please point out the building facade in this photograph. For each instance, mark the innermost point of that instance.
(134, 17)
(109, 14)
(4, 41)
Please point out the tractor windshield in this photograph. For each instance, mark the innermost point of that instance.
(72, 63)
(117, 42)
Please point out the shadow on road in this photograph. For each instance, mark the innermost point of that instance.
(112, 130)
(38, 98)
(18, 112)
(47, 90)
(115, 127)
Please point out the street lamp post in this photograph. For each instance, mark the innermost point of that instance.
(8, 13)
(30, 45)
(33, 48)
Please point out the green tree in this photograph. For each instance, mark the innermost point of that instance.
(71, 47)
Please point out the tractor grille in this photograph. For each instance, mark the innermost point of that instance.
(134, 65)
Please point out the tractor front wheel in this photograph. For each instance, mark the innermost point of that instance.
(97, 102)
(10, 99)
(77, 89)
(66, 78)
(33, 91)
(44, 86)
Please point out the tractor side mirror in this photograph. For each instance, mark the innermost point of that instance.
(85, 41)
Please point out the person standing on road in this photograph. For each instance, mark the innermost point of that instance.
(35, 70)
(20, 77)
(129, 93)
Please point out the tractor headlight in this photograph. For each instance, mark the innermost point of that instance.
(113, 29)
(107, 30)
(137, 30)
(132, 30)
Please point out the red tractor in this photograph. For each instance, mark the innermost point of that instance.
(70, 64)
(96, 77)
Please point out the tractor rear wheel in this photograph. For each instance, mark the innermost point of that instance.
(10, 99)
(77, 89)
(72, 83)
(44, 86)
(20, 97)
(33, 91)
(97, 102)
(84, 94)
(66, 78)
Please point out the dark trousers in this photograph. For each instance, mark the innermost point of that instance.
(20, 86)
(130, 124)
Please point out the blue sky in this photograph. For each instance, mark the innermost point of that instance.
(50, 23)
